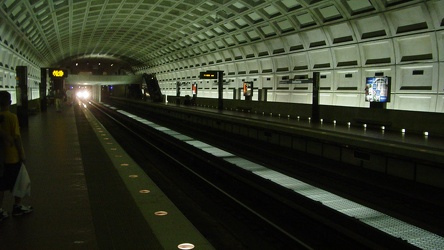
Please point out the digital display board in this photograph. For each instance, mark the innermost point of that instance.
(208, 75)
(211, 74)
(58, 73)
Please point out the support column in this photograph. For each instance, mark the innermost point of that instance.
(97, 93)
(315, 117)
(22, 95)
(220, 82)
(42, 89)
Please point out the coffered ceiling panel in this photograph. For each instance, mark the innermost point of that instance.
(142, 31)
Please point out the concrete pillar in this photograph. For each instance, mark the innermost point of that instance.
(96, 94)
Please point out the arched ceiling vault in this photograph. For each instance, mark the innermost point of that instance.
(139, 32)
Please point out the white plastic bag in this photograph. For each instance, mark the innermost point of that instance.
(22, 185)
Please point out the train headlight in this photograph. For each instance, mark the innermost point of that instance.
(83, 94)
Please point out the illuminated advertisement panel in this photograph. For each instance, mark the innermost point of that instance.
(194, 88)
(377, 89)
(248, 88)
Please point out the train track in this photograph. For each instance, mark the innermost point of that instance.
(231, 207)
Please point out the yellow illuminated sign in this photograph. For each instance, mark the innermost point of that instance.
(208, 75)
(58, 73)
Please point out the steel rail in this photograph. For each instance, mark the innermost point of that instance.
(173, 158)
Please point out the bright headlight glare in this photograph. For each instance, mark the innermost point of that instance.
(83, 94)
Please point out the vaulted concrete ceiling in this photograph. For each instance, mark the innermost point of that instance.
(137, 32)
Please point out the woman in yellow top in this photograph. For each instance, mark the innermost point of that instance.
(13, 155)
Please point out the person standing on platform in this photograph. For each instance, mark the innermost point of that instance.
(13, 154)
(69, 100)
(59, 97)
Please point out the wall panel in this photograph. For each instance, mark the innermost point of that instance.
(252, 67)
(314, 38)
(370, 27)
(407, 49)
(408, 20)
(241, 68)
(261, 49)
(266, 65)
(277, 46)
(346, 56)
(340, 33)
(267, 81)
(418, 78)
(348, 80)
(294, 42)
(301, 98)
(299, 61)
(320, 59)
(440, 41)
(248, 51)
(327, 79)
(343, 99)
(230, 82)
(281, 64)
(415, 102)
(326, 98)
(440, 103)
(441, 78)
(436, 9)
(229, 69)
(378, 52)
(282, 96)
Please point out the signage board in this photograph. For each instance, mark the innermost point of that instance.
(209, 75)
(58, 73)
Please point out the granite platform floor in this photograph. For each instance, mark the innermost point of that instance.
(78, 202)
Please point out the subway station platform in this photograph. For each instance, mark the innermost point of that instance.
(88, 194)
